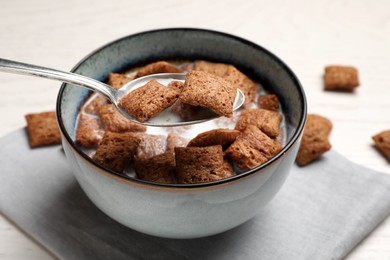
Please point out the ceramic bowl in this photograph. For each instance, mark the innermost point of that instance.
(193, 210)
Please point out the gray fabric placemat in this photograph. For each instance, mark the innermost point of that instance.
(322, 212)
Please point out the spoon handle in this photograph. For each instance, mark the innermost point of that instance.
(38, 71)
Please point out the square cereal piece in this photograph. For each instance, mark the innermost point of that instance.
(158, 67)
(43, 129)
(199, 164)
(315, 140)
(266, 120)
(150, 145)
(113, 121)
(149, 100)
(215, 137)
(243, 82)
(252, 148)
(89, 131)
(269, 102)
(341, 78)
(382, 142)
(94, 103)
(117, 80)
(174, 140)
(218, 69)
(116, 150)
(160, 168)
(210, 91)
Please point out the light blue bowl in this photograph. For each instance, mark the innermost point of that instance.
(192, 210)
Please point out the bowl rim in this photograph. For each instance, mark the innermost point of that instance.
(130, 180)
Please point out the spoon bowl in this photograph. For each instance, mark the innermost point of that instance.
(164, 119)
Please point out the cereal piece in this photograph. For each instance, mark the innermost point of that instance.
(117, 81)
(341, 78)
(252, 148)
(267, 121)
(207, 90)
(149, 100)
(231, 74)
(382, 142)
(199, 164)
(89, 132)
(159, 168)
(113, 121)
(150, 145)
(214, 137)
(93, 105)
(184, 110)
(174, 140)
(269, 102)
(228, 170)
(43, 129)
(116, 150)
(314, 140)
(158, 67)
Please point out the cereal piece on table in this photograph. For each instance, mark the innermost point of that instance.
(160, 168)
(113, 121)
(382, 142)
(149, 100)
(89, 132)
(341, 78)
(215, 137)
(92, 106)
(210, 91)
(158, 67)
(116, 150)
(269, 102)
(174, 140)
(199, 164)
(43, 129)
(150, 145)
(315, 140)
(252, 148)
(117, 81)
(231, 74)
(266, 120)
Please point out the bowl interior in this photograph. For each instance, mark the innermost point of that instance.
(187, 44)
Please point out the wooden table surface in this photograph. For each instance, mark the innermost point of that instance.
(307, 35)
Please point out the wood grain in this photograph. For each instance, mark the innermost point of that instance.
(307, 35)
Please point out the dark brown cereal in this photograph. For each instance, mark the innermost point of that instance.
(43, 129)
(228, 169)
(231, 74)
(89, 131)
(184, 110)
(158, 67)
(160, 168)
(269, 102)
(199, 164)
(95, 104)
(116, 150)
(117, 81)
(266, 120)
(113, 121)
(215, 137)
(150, 146)
(252, 148)
(147, 101)
(210, 91)
(382, 142)
(341, 78)
(174, 140)
(315, 140)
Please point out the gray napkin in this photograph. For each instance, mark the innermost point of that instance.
(322, 212)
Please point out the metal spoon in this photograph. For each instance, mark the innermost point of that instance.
(166, 118)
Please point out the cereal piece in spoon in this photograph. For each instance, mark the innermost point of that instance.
(210, 91)
(149, 100)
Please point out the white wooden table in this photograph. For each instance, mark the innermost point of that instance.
(307, 35)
